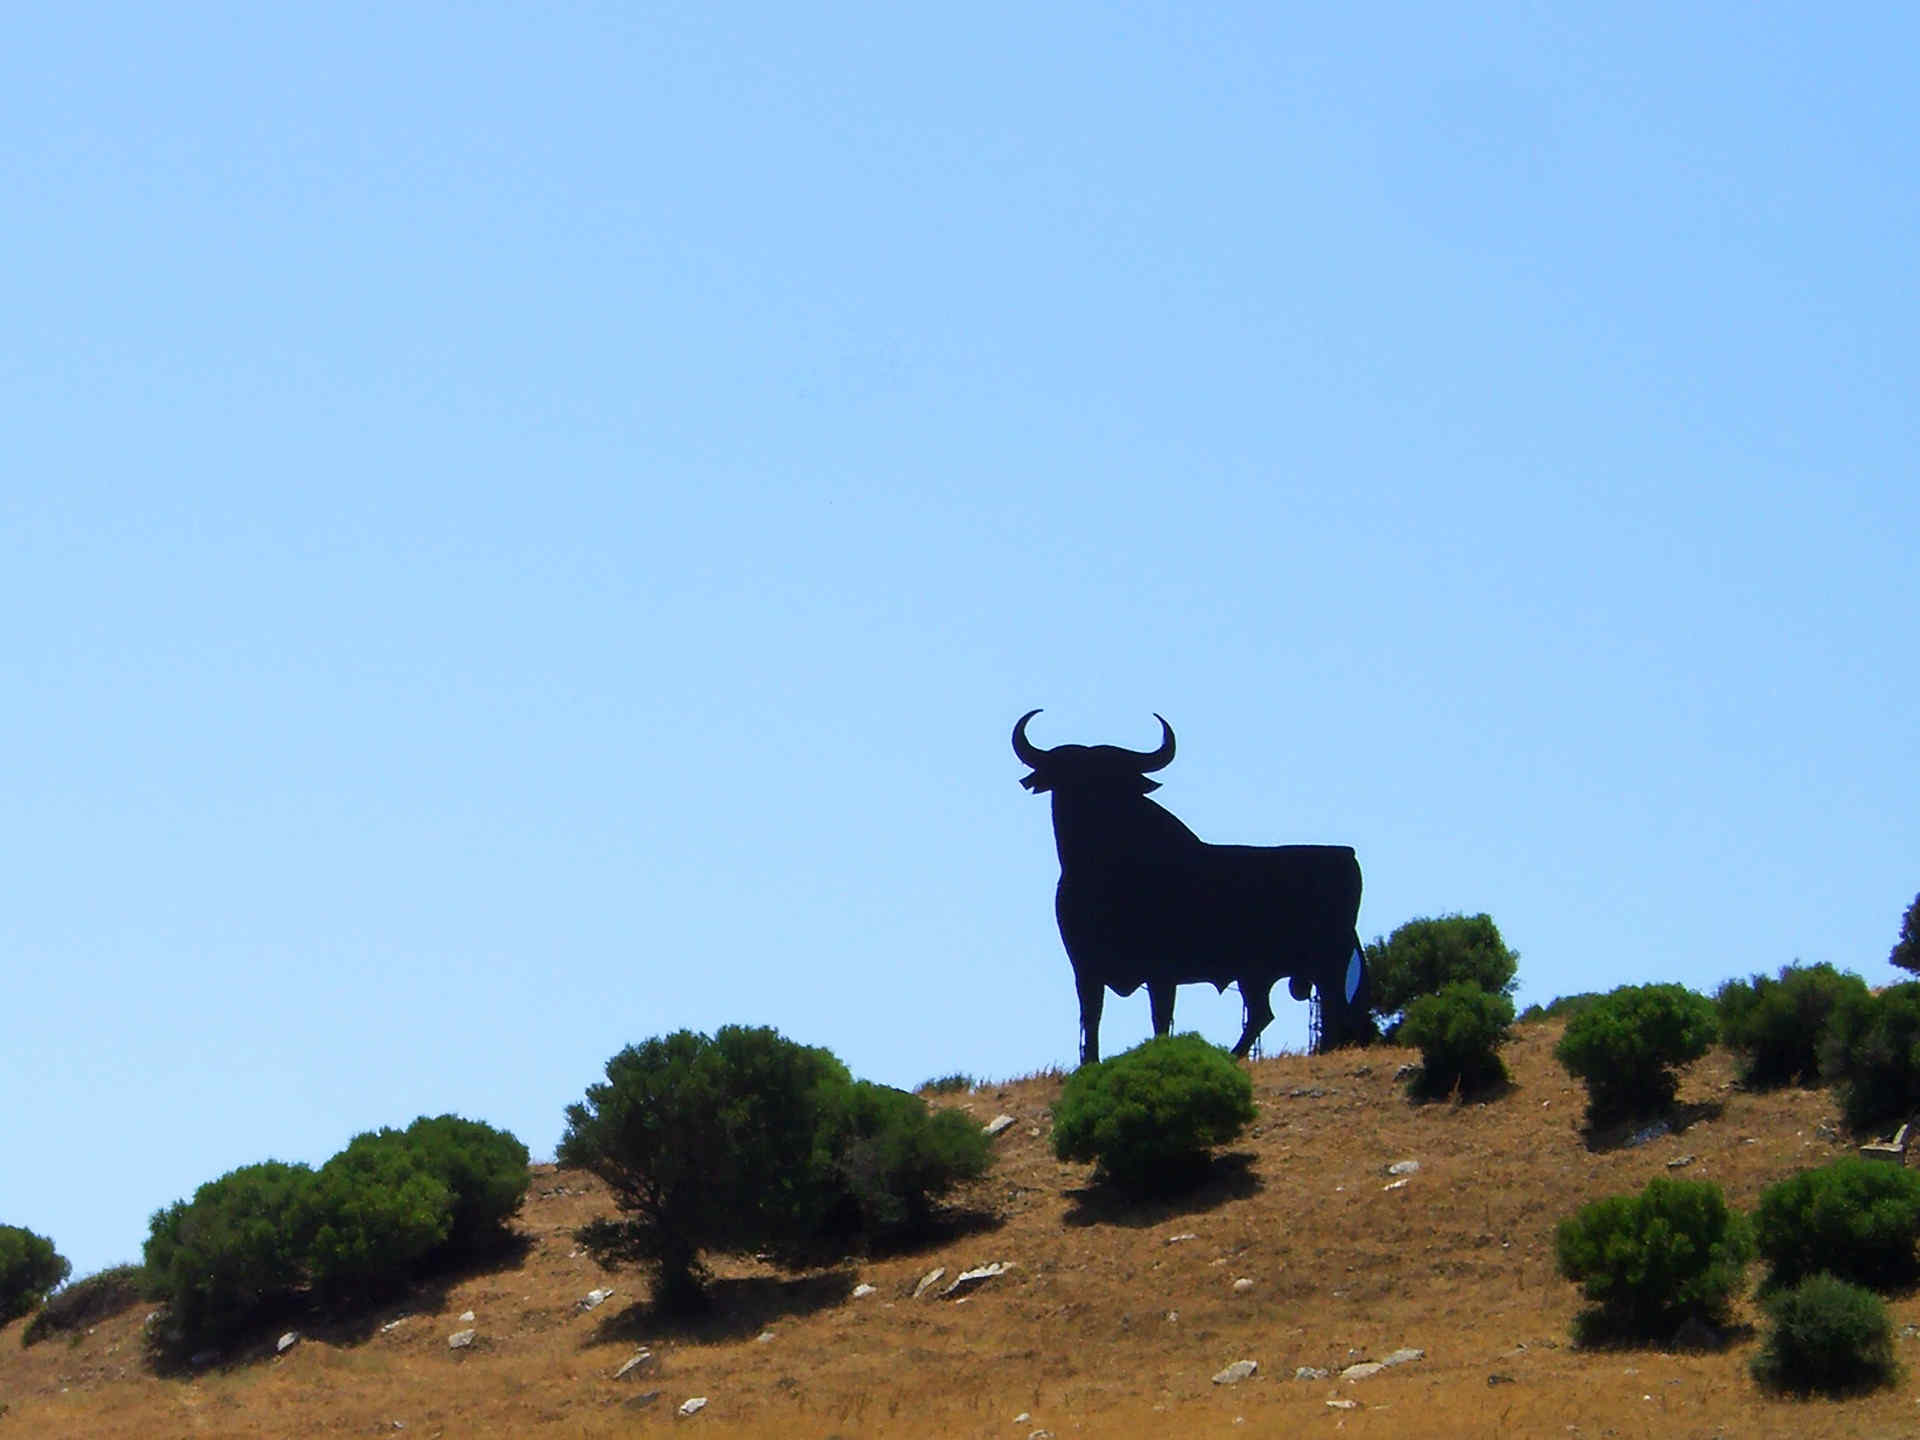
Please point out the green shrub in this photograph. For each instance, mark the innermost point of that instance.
(1459, 1033)
(1424, 956)
(891, 1157)
(1561, 1007)
(952, 1084)
(1627, 1043)
(1872, 1051)
(1776, 1026)
(1828, 1338)
(1148, 1116)
(374, 1213)
(29, 1269)
(707, 1144)
(1858, 1218)
(238, 1247)
(1651, 1261)
(485, 1171)
(1905, 954)
(86, 1302)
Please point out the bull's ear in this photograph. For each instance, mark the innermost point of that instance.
(1147, 787)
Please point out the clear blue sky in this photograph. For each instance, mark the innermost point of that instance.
(526, 528)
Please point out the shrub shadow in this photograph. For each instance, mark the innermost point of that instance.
(1481, 1095)
(1225, 1178)
(736, 1308)
(1626, 1134)
(1594, 1330)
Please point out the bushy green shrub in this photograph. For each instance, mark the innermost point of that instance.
(1149, 1115)
(1650, 1261)
(1872, 1052)
(1776, 1026)
(86, 1302)
(948, 1084)
(1459, 1033)
(238, 1247)
(374, 1212)
(1423, 956)
(1626, 1044)
(29, 1269)
(1858, 1218)
(1828, 1338)
(485, 1172)
(1561, 1007)
(892, 1157)
(1905, 954)
(707, 1144)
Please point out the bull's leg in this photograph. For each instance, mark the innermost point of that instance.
(1346, 1003)
(1259, 1014)
(1092, 997)
(1160, 995)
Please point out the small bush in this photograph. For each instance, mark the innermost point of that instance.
(1424, 956)
(1905, 954)
(1459, 1033)
(1828, 1338)
(1561, 1007)
(238, 1247)
(892, 1158)
(953, 1084)
(1872, 1052)
(1148, 1116)
(374, 1213)
(1627, 1043)
(29, 1269)
(86, 1302)
(1776, 1026)
(1857, 1218)
(1651, 1261)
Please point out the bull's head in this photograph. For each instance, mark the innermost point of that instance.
(1067, 766)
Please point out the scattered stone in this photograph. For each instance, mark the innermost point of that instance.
(1679, 1162)
(1306, 1092)
(1242, 1285)
(1236, 1372)
(1310, 1372)
(1182, 1237)
(861, 1291)
(1499, 1379)
(1404, 1356)
(1405, 1071)
(461, 1339)
(999, 1122)
(1893, 1150)
(1362, 1371)
(694, 1405)
(594, 1299)
(394, 1324)
(765, 1337)
(972, 1279)
(1826, 1132)
(1404, 1167)
(927, 1281)
(633, 1363)
(1041, 1435)
(1343, 1404)
(1399, 1184)
(286, 1342)
(1173, 1317)
(1022, 1418)
(466, 1318)
(1649, 1132)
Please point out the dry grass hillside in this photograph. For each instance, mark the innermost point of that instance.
(1112, 1321)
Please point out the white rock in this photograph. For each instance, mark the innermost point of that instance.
(1404, 1356)
(466, 1317)
(1183, 1236)
(1362, 1371)
(461, 1339)
(595, 1298)
(999, 1122)
(1022, 1418)
(1343, 1404)
(640, 1357)
(286, 1342)
(860, 1292)
(763, 1338)
(1309, 1372)
(970, 1279)
(1236, 1372)
(927, 1281)
(1399, 1184)
(694, 1405)
(1242, 1285)
(393, 1324)
(1404, 1167)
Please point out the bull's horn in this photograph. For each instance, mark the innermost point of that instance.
(1024, 749)
(1162, 757)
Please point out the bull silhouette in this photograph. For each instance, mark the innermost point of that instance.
(1144, 901)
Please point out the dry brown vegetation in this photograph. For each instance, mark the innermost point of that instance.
(1110, 1325)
